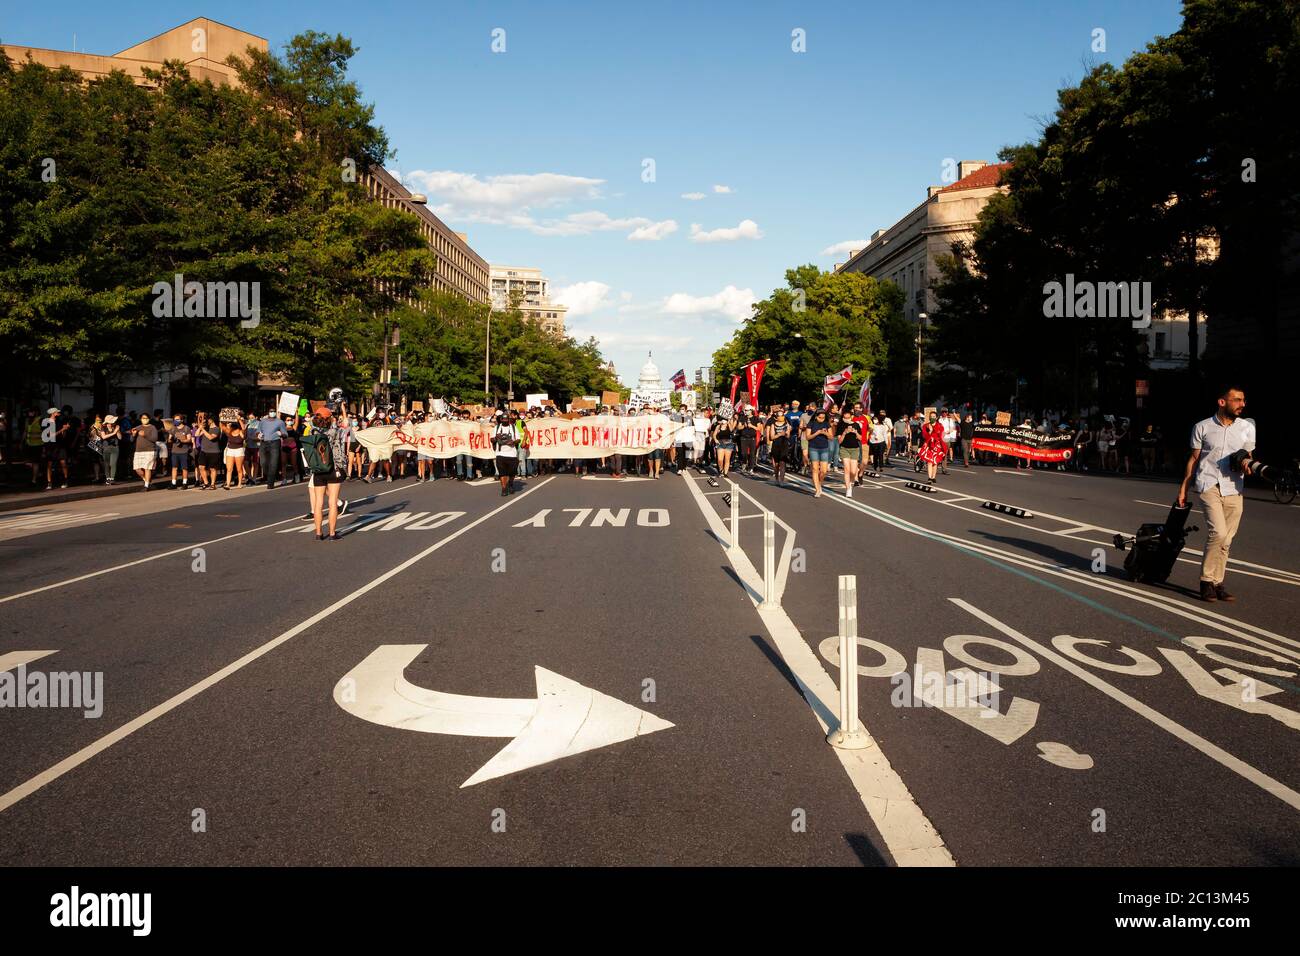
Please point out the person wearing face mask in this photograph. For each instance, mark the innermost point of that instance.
(850, 450)
(820, 431)
(934, 451)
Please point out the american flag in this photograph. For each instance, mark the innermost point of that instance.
(679, 379)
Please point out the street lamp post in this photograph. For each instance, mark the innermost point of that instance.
(920, 327)
(415, 199)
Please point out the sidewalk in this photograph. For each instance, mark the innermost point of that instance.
(14, 500)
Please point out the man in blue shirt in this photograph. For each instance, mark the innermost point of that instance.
(272, 431)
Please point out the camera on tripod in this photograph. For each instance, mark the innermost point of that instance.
(1242, 461)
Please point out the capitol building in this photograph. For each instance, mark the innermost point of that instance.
(650, 377)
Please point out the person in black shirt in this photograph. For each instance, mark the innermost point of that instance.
(850, 435)
(967, 436)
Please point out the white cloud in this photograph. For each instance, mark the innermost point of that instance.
(582, 297)
(748, 229)
(510, 200)
(465, 195)
(722, 189)
(693, 197)
(841, 248)
(654, 231)
(737, 304)
(625, 296)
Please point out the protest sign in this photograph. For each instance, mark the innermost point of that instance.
(688, 399)
(229, 415)
(303, 409)
(593, 436)
(535, 399)
(609, 398)
(1024, 443)
(581, 404)
(439, 406)
(1004, 418)
(288, 404)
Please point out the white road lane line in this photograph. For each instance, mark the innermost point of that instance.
(29, 787)
(15, 659)
(1286, 577)
(166, 554)
(909, 836)
(1189, 737)
(1196, 613)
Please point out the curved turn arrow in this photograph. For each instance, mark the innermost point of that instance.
(565, 718)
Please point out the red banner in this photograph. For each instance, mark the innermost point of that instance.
(735, 380)
(754, 373)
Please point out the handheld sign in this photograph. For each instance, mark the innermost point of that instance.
(288, 403)
(229, 415)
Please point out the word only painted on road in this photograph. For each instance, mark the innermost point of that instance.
(600, 518)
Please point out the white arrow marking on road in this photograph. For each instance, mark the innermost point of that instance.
(565, 718)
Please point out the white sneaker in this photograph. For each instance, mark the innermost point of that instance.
(848, 492)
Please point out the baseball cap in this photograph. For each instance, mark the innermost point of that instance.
(53, 411)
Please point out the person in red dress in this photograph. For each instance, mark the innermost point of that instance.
(934, 451)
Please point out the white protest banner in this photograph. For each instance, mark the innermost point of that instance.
(652, 397)
(535, 399)
(594, 436)
(288, 404)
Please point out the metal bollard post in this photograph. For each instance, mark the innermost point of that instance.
(848, 735)
(769, 561)
(735, 516)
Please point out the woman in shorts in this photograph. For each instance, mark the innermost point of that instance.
(724, 440)
(778, 435)
(234, 452)
(850, 435)
(820, 432)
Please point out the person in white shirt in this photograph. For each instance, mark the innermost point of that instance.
(949, 435)
(505, 439)
(1219, 484)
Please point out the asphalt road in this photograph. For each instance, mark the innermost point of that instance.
(580, 674)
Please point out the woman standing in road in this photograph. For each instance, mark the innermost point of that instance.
(778, 435)
(934, 451)
(850, 450)
(724, 440)
(111, 437)
(820, 432)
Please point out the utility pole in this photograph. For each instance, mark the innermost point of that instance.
(487, 360)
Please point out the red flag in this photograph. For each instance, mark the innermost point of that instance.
(837, 381)
(735, 380)
(754, 373)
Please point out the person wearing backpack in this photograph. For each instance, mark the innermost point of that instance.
(323, 451)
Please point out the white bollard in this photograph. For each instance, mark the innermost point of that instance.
(769, 561)
(735, 516)
(848, 735)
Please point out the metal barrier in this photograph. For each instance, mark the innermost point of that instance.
(772, 588)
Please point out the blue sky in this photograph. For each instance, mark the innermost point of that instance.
(538, 152)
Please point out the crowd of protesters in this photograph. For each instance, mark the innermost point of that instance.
(201, 451)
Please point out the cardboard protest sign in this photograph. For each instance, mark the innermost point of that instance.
(581, 404)
(288, 404)
(609, 398)
(1004, 418)
(592, 436)
(417, 406)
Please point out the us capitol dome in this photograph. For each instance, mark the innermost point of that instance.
(650, 374)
